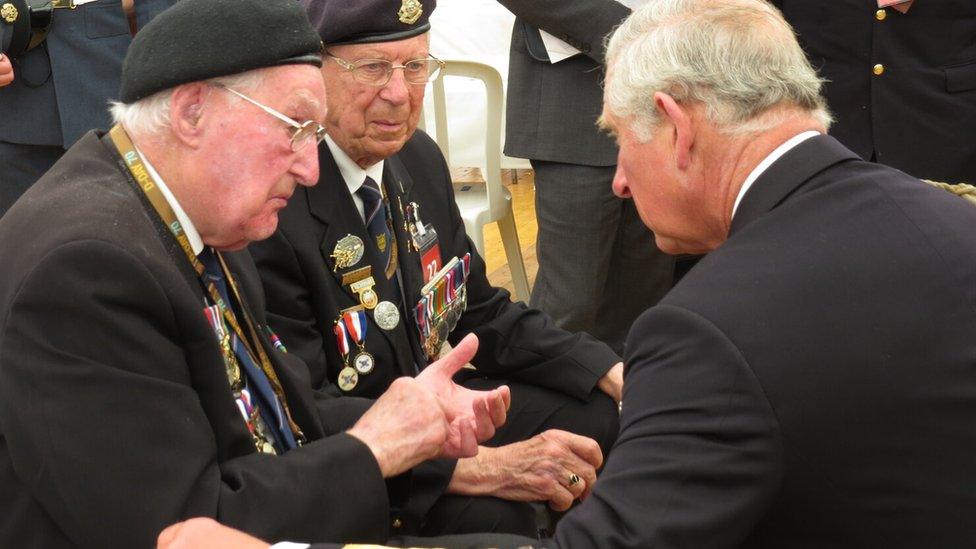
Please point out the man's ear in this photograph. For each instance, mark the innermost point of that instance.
(187, 112)
(683, 129)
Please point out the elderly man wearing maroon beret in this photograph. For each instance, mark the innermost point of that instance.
(371, 271)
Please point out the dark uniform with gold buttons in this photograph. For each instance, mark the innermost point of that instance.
(62, 86)
(902, 86)
(343, 285)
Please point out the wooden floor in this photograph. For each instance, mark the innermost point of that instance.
(523, 203)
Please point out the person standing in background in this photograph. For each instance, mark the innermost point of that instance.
(54, 93)
(901, 79)
(598, 265)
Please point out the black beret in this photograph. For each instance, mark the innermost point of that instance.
(369, 21)
(201, 39)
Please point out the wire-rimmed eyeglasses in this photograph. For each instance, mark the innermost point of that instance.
(377, 72)
(306, 132)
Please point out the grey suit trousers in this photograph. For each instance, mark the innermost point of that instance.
(598, 265)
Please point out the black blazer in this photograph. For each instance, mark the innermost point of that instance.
(919, 115)
(305, 295)
(552, 109)
(810, 382)
(116, 416)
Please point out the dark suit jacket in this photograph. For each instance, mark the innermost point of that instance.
(62, 88)
(552, 109)
(305, 295)
(810, 382)
(920, 114)
(116, 416)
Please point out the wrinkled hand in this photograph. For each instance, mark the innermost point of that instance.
(205, 533)
(6, 70)
(430, 416)
(612, 382)
(473, 415)
(537, 469)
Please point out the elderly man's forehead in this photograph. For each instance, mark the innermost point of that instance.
(298, 90)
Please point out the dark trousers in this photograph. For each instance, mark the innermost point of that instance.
(598, 265)
(20, 167)
(533, 411)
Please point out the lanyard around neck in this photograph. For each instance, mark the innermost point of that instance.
(136, 171)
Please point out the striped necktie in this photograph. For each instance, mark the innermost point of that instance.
(269, 406)
(375, 212)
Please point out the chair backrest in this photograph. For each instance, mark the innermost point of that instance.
(494, 93)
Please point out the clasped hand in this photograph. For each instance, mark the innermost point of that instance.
(541, 468)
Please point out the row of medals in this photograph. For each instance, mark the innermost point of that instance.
(259, 431)
(347, 253)
(436, 322)
(444, 324)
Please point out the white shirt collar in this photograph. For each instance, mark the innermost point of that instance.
(352, 174)
(188, 228)
(768, 161)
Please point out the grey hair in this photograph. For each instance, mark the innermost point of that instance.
(150, 115)
(738, 58)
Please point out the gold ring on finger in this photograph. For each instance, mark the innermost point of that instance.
(574, 479)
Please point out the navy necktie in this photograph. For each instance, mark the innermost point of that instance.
(213, 273)
(269, 407)
(376, 215)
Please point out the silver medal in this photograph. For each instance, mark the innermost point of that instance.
(386, 315)
(364, 363)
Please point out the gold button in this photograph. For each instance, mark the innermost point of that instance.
(880, 15)
(9, 13)
(397, 523)
(878, 69)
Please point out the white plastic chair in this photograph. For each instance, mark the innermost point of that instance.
(492, 202)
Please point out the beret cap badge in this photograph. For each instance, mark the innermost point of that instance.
(365, 21)
(8, 12)
(410, 11)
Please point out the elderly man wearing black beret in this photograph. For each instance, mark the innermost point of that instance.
(139, 382)
(371, 270)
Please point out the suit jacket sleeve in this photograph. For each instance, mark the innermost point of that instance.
(97, 400)
(584, 24)
(699, 456)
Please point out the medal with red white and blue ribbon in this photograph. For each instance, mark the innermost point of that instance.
(342, 342)
(348, 378)
(356, 324)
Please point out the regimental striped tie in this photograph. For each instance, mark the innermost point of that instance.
(376, 220)
(271, 411)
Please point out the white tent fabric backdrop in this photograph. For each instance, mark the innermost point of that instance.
(474, 30)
